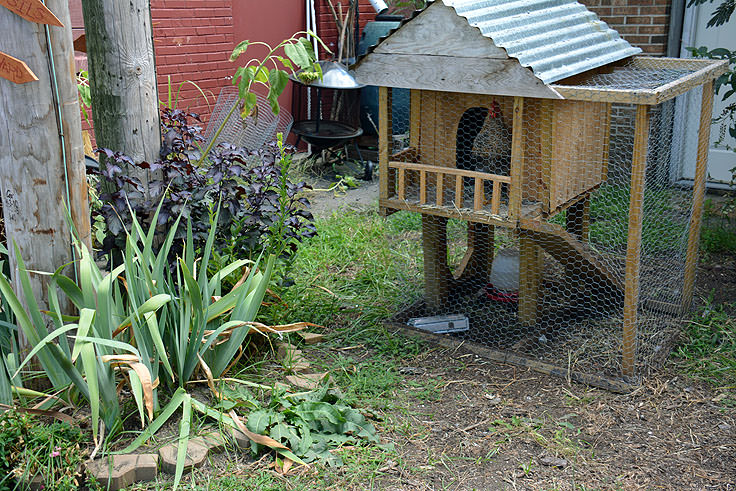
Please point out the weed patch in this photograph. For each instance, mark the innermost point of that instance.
(708, 348)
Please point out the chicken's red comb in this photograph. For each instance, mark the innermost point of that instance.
(495, 110)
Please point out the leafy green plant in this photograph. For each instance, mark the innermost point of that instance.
(722, 13)
(302, 427)
(8, 345)
(298, 54)
(51, 453)
(90, 364)
(172, 96)
(253, 188)
(85, 97)
(311, 423)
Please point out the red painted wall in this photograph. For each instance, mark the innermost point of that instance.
(192, 40)
(270, 22)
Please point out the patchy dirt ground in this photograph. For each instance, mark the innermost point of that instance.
(473, 424)
(493, 426)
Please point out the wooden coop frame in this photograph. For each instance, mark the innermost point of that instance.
(552, 181)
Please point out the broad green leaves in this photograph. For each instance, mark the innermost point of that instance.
(310, 424)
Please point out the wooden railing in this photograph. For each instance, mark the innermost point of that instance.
(439, 174)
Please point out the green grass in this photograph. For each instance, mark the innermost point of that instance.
(718, 238)
(708, 347)
(354, 274)
(664, 226)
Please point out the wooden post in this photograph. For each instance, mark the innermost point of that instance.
(633, 246)
(701, 169)
(530, 279)
(578, 218)
(34, 181)
(384, 145)
(517, 160)
(475, 266)
(414, 118)
(577, 223)
(436, 271)
(122, 75)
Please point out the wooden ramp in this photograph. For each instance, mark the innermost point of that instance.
(571, 252)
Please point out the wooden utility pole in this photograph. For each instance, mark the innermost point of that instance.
(122, 74)
(42, 159)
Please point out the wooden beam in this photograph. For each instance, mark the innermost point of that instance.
(578, 218)
(478, 195)
(448, 212)
(415, 111)
(459, 191)
(696, 216)
(496, 198)
(449, 170)
(517, 159)
(571, 252)
(436, 272)
(633, 246)
(530, 280)
(122, 80)
(475, 265)
(453, 74)
(600, 381)
(384, 144)
(440, 194)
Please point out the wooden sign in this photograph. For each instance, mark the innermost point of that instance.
(80, 44)
(15, 70)
(32, 10)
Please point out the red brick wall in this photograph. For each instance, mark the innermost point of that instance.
(327, 29)
(643, 23)
(193, 40)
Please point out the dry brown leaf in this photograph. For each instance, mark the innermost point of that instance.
(210, 379)
(261, 439)
(119, 359)
(246, 272)
(288, 463)
(43, 412)
(145, 377)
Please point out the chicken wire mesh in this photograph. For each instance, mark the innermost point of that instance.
(251, 132)
(554, 232)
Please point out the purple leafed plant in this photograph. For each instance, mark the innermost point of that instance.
(254, 195)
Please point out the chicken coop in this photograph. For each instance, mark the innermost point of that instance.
(545, 157)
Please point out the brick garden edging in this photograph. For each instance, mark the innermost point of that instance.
(120, 471)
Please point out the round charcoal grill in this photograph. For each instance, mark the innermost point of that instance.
(323, 134)
(330, 126)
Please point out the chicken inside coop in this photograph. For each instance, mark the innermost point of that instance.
(484, 141)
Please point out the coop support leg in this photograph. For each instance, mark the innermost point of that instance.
(476, 264)
(530, 280)
(436, 272)
(517, 160)
(386, 177)
(633, 246)
(701, 169)
(577, 224)
(578, 218)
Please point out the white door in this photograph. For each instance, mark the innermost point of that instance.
(695, 34)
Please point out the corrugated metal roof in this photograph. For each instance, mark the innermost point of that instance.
(555, 38)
